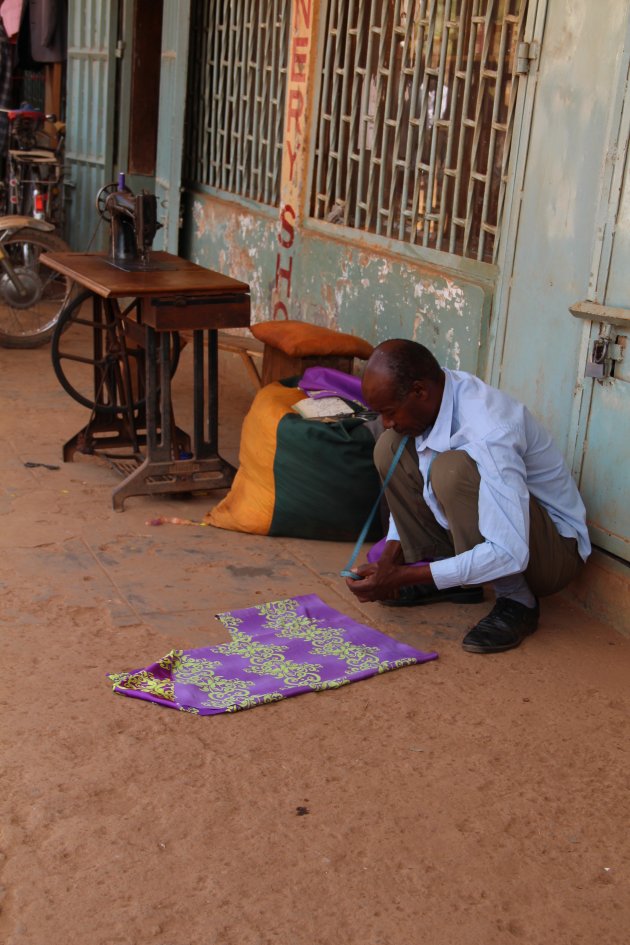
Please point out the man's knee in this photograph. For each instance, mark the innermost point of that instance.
(384, 450)
(454, 474)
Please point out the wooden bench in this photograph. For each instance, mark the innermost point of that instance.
(247, 348)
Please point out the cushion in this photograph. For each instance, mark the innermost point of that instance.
(302, 340)
(299, 478)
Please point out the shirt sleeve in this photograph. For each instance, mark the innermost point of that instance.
(392, 531)
(503, 514)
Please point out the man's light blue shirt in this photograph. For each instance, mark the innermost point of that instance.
(516, 458)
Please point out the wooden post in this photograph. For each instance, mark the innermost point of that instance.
(53, 78)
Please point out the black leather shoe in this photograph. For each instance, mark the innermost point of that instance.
(414, 595)
(504, 628)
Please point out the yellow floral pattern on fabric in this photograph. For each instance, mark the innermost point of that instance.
(386, 665)
(330, 684)
(171, 659)
(283, 614)
(266, 659)
(292, 646)
(290, 672)
(244, 645)
(257, 700)
(221, 692)
(285, 619)
(145, 681)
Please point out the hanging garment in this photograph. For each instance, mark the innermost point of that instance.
(11, 14)
(277, 650)
(46, 23)
(6, 79)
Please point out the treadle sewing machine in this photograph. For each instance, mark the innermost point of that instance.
(119, 363)
(133, 226)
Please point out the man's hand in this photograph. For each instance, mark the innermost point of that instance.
(382, 579)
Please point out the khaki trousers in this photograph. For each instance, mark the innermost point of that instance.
(553, 560)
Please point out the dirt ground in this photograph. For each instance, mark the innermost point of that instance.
(469, 800)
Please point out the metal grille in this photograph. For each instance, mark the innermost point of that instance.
(415, 119)
(236, 95)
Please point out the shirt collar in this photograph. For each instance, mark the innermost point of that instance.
(438, 436)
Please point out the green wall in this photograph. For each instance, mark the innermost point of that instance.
(346, 283)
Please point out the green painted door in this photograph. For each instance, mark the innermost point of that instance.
(567, 242)
(602, 463)
(90, 95)
(170, 142)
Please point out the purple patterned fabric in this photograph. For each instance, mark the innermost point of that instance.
(278, 650)
(326, 382)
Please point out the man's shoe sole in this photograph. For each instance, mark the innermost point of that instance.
(497, 648)
(473, 595)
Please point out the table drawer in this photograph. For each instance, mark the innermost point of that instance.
(178, 313)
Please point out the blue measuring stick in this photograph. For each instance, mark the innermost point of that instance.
(347, 571)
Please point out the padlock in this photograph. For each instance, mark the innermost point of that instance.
(594, 369)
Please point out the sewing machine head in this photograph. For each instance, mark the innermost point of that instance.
(134, 224)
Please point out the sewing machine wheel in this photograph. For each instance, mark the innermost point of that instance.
(97, 361)
(101, 199)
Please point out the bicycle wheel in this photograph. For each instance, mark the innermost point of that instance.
(96, 362)
(28, 319)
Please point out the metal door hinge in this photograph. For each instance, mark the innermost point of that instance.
(526, 53)
(120, 49)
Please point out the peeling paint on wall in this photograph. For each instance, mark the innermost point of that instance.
(384, 270)
(341, 286)
(237, 243)
(380, 297)
(199, 219)
(447, 294)
(453, 360)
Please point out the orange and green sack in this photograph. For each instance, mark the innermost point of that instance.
(299, 478)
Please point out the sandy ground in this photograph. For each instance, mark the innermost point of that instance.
(470, 800)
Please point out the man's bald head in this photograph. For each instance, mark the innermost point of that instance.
(401, 362)
(404, 383)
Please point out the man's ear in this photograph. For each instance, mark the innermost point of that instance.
(420, 390)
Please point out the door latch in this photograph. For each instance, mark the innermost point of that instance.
(604, 353)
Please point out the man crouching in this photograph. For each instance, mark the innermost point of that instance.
(480, 491)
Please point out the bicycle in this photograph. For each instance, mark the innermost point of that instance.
(34, 165)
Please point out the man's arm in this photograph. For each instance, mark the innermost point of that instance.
(382, 579)
(503, 522)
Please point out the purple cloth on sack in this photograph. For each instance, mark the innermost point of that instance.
(278, 650)
(326, 382)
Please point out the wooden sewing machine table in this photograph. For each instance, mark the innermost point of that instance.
(179, 297)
